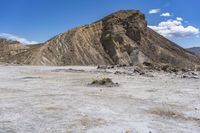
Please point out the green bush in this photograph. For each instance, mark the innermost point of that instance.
(102, 81)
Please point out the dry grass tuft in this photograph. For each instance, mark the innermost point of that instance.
(102, 81)
(163, 112)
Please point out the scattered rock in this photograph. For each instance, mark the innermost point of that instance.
(68, 70)
(139, 71)
(122, 65)
(142, 73)
(184, 70)
(30, 78)
(149, 75)
(111, 67)
(194, 73)
(101, 67)
(147, 64)
(167, 68)
(118, 72)
(105, 67)
(190, 76)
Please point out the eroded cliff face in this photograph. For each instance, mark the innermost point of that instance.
(120, 38)
(122, 34)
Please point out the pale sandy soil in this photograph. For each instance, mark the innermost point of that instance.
(50, 100)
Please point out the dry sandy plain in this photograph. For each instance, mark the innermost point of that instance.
(59, 100)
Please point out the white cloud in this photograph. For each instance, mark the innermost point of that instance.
(153, 11)
(167, 14)
(17, 38)
(175, 29)
(179, 19)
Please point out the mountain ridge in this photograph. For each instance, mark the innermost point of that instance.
(120, 38)
(195, 50)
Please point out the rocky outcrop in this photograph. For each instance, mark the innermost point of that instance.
(120, 38)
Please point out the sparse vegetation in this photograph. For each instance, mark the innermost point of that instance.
(102, 81)
(172, 114)
(165, 113)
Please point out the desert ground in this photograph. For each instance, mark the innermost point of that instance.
(38, 99)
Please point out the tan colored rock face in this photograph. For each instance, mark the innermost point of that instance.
(122, 33)
(120, 38)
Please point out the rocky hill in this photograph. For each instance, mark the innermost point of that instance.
(120, 38)
(195, 50)
(9, 48)
(16, 53)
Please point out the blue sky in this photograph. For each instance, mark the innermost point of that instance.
(39, 20)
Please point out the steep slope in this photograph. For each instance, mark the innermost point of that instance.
(79, 46)
(120, 38)
(195, 50)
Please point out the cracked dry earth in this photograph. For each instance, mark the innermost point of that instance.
(52, 100)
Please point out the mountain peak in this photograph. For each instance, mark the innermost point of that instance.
(125, 13)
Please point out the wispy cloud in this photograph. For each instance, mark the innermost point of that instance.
(166, 14)
(153, 11)
(175, 29)
(17, 38)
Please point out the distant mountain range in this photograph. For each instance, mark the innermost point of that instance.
(195, 50)
(120, 38)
